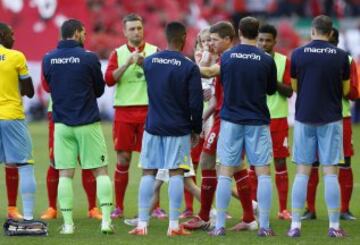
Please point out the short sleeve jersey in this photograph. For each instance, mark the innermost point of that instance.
(13, 68)
(320, 69)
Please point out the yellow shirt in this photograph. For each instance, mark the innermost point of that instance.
(12, 68)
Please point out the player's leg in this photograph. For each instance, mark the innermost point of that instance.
(279, 135)
(195, 157)
(162, 176)
(17, 147)
(330, 144)
(151, 159)
(304, 154)
(52, 176)
(89, 185)
(310, 212)
(177, 159)
(345, 172)
(253, 181)
(66, 154)
(248, 221)
(12, 185)
(229, 149)
(93, 155)
(258, 148)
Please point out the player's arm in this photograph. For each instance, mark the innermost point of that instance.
(210, 109)
(284, 87)
(195, 100)
(272, 81)
(346, 73)
(354, 82)
(294, 84)
(98, 80)
(211, 71)
(25, 81)
(27, 87)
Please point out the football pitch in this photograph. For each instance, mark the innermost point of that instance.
(88, 230)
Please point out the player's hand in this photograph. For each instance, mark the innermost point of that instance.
(135, 57)
(195, 138)
(207, 93)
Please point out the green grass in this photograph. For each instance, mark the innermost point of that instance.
(87, 231)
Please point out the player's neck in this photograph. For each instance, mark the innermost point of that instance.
(320, 38)
(173, 47)
(135, 45)
(247, 41)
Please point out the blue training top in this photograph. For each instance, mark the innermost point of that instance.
(319, 68)
(175, 94)
(75, 81)
(248, 74)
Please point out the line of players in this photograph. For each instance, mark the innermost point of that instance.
(130, 113)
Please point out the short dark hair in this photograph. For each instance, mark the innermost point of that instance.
(174, 32)
(334, 38)
(69, 27)
(268, 29)
(4, 29)
(249, 27)
(223, 29)
(132, 17)
(322, 24)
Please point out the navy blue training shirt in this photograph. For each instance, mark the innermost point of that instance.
(175, 94)
(248, 74)
(319, 68)
(74, 79)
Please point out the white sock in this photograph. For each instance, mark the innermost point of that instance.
(295, 225)
(142, 224)
(335, 225)
(174, 224)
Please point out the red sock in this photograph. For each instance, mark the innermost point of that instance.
(89, 184)
(253, 183)
(208, 188)
(52, 181)
(312, 185)
(121, 179)
(282, 185)
(243, 188)
(346, 187)
(189, 198)
(12, 184)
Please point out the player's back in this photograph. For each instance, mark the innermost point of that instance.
(175, 93)
(319, 68)
(248, 74)
(75, 81)
(12, 68)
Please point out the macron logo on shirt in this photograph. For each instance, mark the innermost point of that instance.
(251, 56)
(68, 60)
(320, 50)
(164, 61)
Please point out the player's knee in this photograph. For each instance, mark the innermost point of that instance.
(207, 161)
(123, 158)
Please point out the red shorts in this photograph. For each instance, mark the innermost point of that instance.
(128, 127)
(51, 136)
(211, 139)
(127, 136)
(196, 152)
(347, 137)
(279, 129)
